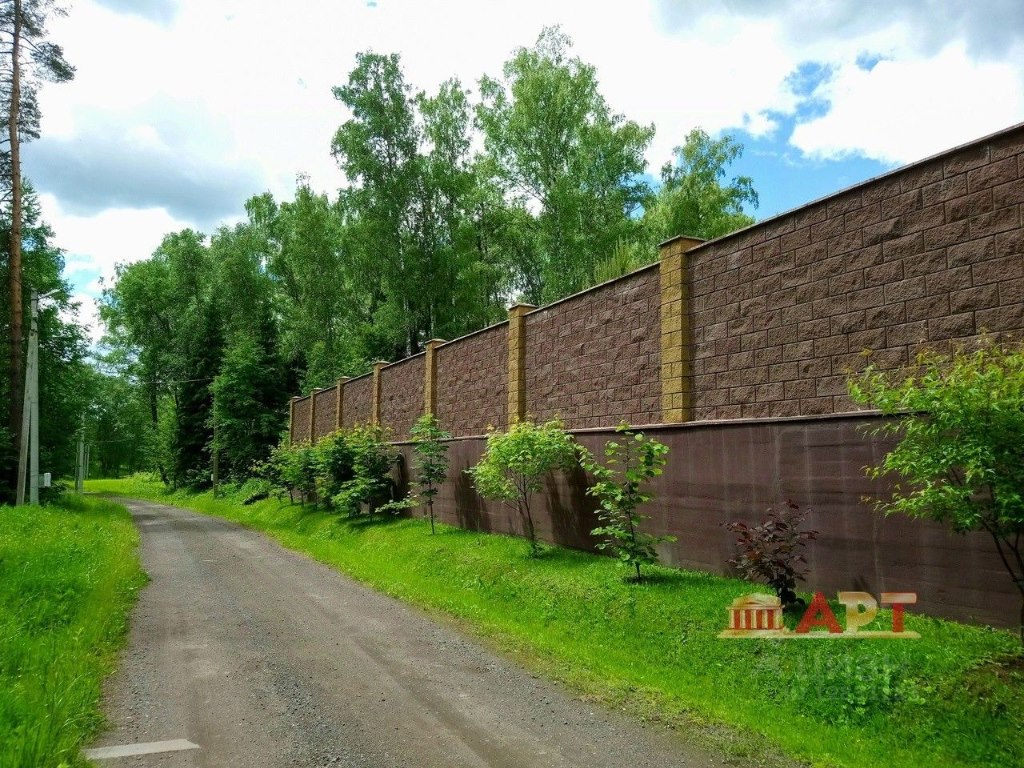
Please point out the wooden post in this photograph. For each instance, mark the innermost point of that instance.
(338, 420)
(430, 376)
(375, 411)
(517, 361)
(676, 331)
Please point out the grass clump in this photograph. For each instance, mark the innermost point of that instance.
(69, 575)
(953, 698)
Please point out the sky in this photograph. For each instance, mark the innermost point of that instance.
(182, 109)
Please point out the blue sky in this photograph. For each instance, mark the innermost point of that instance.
(181, 109)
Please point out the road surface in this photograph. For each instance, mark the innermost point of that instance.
(242, 653)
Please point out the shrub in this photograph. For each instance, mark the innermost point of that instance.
(292, 468)
(628, 466)
(334, 459)
(370, 483)
(431, 465)
(960, 454)
(771, 552)
(515, 463)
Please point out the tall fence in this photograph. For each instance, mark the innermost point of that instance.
(765, 324)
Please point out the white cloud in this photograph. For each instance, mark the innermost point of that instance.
(903, 110)
(94, 244)
(182, 106)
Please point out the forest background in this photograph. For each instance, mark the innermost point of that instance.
(527, 187)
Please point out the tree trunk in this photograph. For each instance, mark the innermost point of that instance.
(14, 244)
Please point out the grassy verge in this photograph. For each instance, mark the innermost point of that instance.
(69, 575)
(953, 698)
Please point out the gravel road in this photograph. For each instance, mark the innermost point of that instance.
(262, 657)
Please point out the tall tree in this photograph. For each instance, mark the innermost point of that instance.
(695, 198)
(378, 149)
(29, 59)
(557, 147)
(250, 390)
(63, 374)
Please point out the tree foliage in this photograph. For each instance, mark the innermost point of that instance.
(515, 464)
(959, 456)
(453, 208)
(29, 59)
(694, 198)
(553, 143)
(65, 381)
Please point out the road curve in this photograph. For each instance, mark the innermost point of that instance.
(262, 657)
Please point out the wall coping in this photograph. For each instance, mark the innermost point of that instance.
(693, 425)
(860, 184)
(398, 362)
(599, 286)
(477, 332)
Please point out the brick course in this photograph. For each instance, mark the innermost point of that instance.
(931, 254)
(358, 401)
(300, 420)
(401, 396)
(594, 359)
(472, 382)
(326, 412)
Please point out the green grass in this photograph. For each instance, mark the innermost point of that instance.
(953, 698)
(69, 575)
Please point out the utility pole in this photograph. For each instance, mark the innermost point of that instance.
(80, 473)
(216, 450)
(29, 452)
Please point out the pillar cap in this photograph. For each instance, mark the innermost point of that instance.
(436, 342)
(694, 240)
(521, 305)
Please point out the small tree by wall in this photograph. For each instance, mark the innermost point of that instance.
(516, 462)
(431, 463)
(960, 455)
(629, 464)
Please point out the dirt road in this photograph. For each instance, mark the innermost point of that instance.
(244, 654)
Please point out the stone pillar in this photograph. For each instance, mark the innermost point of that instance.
(291, 420)
(339, 404)
(430, 376)
(312, 416)
(676, 331)
(375, 409)
(517, 361)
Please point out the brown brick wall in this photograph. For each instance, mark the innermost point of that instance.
(300, 420)
(358, 404)
(594, 359)
(401, 395)
(931, 253)
(472, 382)
(326, 412)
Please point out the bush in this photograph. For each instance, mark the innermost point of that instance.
(333, 458)
(961, 443)
(628, 466)
(292, 467)
(515, 463)
(370, 483)
(771, 551)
